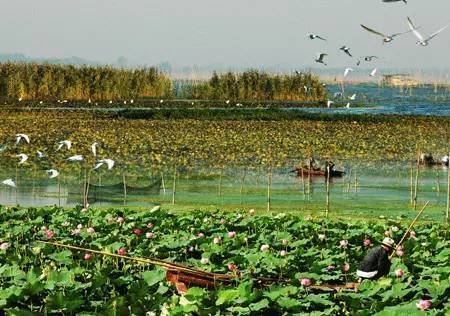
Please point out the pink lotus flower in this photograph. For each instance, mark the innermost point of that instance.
(200, 235)
(150, 225)
(149, 235)
(120, 220)
(285, 242)
(204, 261)
(90, 230)
(423, 304)
(232, 234)
(400, 252)
(251, 211)
(50, 233)
(412, 234)
(223, 221)
(216, 240)
(283, 253)
(399, 273)
(191, 249)
(346, 267)
(367, 242)
(387, 233)
(265, 247)
(84, 210)
(305, 282)
(343, 243)
(79, 226)
(232, 267)
(331, 267)
(122, 251)
(322, 237)
(87, 256)
(137, 231)
(4, 246)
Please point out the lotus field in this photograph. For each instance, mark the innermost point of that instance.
(39, 279)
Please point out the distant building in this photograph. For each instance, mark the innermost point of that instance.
(399, 80)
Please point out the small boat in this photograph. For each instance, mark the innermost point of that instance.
(315, 172)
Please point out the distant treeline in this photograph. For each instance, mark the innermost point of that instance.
(32, 81)
(257, 85)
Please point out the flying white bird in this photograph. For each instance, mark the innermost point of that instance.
(320, 57)
(314, 36)
(52, 173)
(89, 101)
(347, 70)
(227, 101)
(75, 158)
(372, 74)
(40, 154)
(161, 101)
(421, 40)
(9, 182)
(386, 38)
(23, 158)
(101, 162)
(19, 137)
(353, 97)
(68, 143)
(306, 89)
(346, 50)
(131, 101)
(94, 149)
(20, 99)
(348, 105)
(329, 103)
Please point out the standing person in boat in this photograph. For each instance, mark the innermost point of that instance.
(376, 263)
(329, 166)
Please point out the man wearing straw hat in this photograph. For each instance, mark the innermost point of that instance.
(376, 263)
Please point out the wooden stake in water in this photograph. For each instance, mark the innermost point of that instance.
(416, 186)
(328, 191)
(448, 194)
(241, 190)
(269, 187)
(438, 183)
(124, 189)
(303, 183)
(174, 189)
(163, 183)
(411, 185)
(220, 181)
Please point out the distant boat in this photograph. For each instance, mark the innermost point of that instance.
(317, 172)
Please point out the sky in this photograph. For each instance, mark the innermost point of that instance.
(235, 33)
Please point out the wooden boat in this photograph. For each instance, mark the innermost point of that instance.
(315, 172)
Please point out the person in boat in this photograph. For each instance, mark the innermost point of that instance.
(329, 166)
(376, 263)
(426, 159)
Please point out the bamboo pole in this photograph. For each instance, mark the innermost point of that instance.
(303, 183)
(409, 229)
(269, 187)
(416, 186)
(124, 189)
(220, 181)
(411, 185)
(328, 192)
(17, 184)
(163, 183)
(448, 195)
(438, 183)
(174, 188)
(241, 189)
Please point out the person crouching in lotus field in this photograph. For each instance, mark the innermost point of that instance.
(376, 263)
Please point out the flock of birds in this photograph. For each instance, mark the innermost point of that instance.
(386, 38)
(53, 173)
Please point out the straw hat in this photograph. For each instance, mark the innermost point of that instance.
(389, 242)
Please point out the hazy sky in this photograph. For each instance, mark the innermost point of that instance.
(227, 32)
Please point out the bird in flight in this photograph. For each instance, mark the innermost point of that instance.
(346, 50)
(101, 162)
(347, 71)
(329, 103)
(405, 1)
(23, 158)
(9, 182)
(372, 74)
(320, 57)
(366, 58)
(75, 158)
(68, 144)
(421, 40)
(386, 38)
(94, 149)
(19, 137)
(52, 173)
(314, 36)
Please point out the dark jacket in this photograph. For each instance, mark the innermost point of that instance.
(376, 260)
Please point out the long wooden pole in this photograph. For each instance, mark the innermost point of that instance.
(448, 195)
(416, 185)
(409, 229)
(328, 191)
